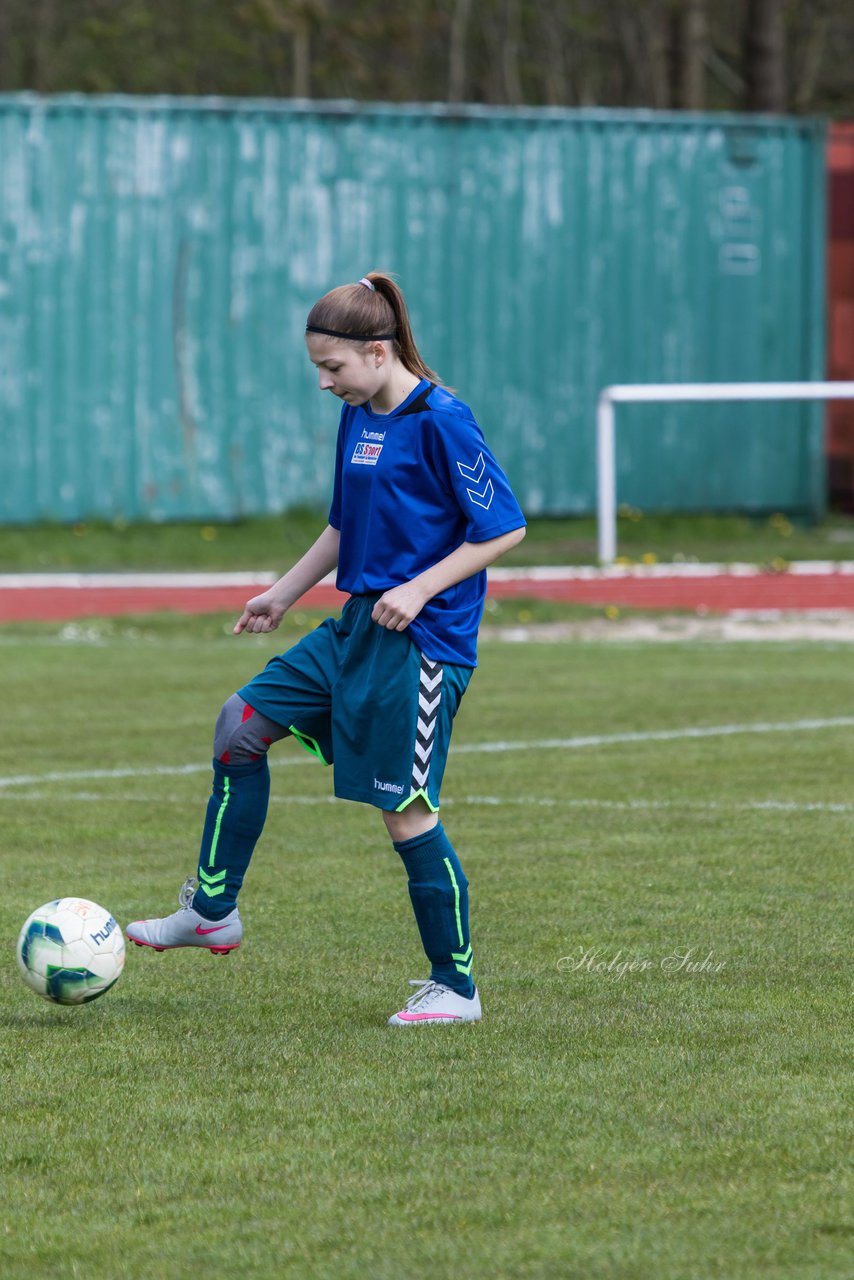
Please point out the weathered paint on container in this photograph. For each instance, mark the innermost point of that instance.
(840, 308)
(158, 258)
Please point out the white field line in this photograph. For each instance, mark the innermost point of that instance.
(701, 806)
(540, 802)
(89, 775)
(687, 569)
(79, 581)
(536, 573)
(656, 735)
(472, 748)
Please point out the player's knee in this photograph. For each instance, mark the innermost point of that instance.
(227, 732)
(414, 821)
(242, 734)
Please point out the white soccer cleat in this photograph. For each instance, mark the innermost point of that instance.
(186, 928)
(434, 1002)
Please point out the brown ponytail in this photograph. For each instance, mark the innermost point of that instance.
(358, 313)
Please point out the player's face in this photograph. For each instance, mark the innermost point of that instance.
(350, 370)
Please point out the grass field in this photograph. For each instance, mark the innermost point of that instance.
(274, 542)
(254, 1115)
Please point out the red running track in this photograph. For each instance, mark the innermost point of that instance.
(718, 593)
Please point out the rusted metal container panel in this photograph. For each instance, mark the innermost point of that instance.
(840, 308)
(158, 258)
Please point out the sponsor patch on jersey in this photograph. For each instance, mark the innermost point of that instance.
(366, 453)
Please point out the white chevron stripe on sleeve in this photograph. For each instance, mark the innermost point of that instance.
(484, 497)
(474, 473)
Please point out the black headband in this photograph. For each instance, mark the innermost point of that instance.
(353, 337)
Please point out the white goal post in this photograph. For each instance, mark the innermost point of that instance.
(670, 392)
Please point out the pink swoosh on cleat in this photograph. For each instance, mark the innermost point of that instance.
(421, 1017)
(201, 932)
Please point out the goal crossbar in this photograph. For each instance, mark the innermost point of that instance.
(668, 393)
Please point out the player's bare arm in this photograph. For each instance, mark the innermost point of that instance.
(397, 607)
(265, 612)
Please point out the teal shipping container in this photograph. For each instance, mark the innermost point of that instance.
(158, 258)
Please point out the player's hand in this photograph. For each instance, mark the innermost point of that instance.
(397, 607)
(261, 613)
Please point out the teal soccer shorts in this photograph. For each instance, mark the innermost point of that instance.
(366, 699)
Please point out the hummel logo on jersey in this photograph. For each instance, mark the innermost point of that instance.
(482, 497)
(366, 453)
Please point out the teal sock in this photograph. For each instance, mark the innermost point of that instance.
(237, 810)
(439, 893)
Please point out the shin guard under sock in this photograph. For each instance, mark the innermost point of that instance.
(235, 819)
(439, 893)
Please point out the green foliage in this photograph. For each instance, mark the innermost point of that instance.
(560, 52)
(255, 1115)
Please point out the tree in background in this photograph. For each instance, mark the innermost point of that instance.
(762, 55)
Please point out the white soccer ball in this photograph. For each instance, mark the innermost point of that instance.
(70, 951)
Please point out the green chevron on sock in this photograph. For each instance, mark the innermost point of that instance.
(207, 883)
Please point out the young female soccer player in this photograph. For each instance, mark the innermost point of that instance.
(419, 509)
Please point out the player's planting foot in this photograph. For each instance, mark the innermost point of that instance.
(186, 928)
(436, 1003)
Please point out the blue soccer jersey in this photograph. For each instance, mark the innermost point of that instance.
(410, 487)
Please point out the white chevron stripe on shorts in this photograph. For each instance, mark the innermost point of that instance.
(429, 697)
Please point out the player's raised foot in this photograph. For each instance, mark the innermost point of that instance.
(434, 1002)
(186, 928)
